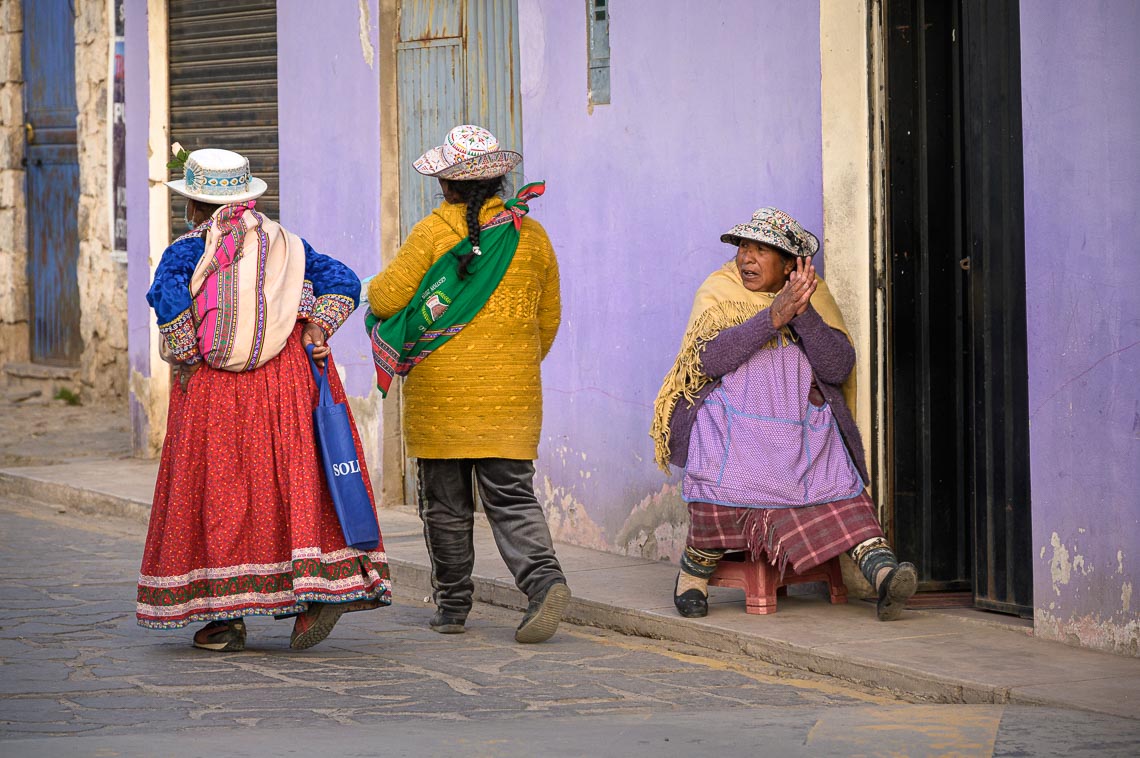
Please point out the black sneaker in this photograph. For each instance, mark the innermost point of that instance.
(898, 587)
(543, 614)
(447, 624)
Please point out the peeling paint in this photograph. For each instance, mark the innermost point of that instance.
(1059, 566)
(1126, 597)
(150, 429)
(1097, 632)
(366, 48)
(1120, 561)
(657, 527)
(568, 519)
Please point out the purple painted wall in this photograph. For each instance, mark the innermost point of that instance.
(328, 104)
(139, 316)
(1081, 116)
(712, 115)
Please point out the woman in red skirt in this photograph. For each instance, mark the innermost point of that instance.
(242, 522)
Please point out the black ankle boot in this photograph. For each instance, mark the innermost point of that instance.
(691, 603)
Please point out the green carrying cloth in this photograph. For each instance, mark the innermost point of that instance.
(444, 303)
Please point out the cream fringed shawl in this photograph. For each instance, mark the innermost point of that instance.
(723, 301)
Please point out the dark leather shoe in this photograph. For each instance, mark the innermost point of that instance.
(543, 614)
(447, 624)
(691, 604)
(895, 590)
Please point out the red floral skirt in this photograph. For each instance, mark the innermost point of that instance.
(242, 522)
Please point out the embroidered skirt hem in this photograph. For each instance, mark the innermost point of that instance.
(242, 522)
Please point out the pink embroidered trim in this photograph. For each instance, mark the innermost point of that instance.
(308, 301)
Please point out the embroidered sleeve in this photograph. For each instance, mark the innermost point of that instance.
(308, 300)
(181, 338)
(330, 311)
(169, 294)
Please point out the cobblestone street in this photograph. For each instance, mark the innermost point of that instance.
(81, 678)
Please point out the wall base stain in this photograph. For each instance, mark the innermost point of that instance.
(1092, 631)
(569, 522)
(657, 527)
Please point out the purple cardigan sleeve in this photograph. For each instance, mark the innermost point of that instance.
(729, 349)
(828, 351)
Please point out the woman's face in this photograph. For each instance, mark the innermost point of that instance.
(763, 268)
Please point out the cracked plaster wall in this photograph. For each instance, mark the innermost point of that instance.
(102, 286)
(102, 281)
(1080, 118)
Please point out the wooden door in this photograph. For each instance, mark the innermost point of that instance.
(52, 181)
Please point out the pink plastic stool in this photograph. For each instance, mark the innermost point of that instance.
(761, 581)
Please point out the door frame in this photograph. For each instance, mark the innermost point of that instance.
(989, 205)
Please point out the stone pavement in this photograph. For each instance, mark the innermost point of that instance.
(941, 657)
(80, 678)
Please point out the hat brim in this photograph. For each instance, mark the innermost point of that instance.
(257, 188)
(736, 235)
(486, 166)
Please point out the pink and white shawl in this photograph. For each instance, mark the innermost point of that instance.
(246, 288)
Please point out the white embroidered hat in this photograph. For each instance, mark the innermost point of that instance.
(468, 152)
(218, 177)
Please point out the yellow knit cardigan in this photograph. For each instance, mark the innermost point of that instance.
(480, 394)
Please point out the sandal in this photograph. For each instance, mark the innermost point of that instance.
(221, 636)
(314, 625)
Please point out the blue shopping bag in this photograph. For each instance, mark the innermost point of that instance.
(343, 471)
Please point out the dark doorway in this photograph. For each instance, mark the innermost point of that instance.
(52, 181)
(957, 371)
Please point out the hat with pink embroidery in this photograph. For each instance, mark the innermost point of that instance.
(468, 152)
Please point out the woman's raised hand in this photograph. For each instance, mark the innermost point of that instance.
(805, 277)
(796, 294)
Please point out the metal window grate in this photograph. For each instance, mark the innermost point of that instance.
(223, 93)
(598, 51)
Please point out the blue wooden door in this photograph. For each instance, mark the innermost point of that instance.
(457, 62)
(52, 180)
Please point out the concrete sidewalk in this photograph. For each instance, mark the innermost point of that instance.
(959, 657)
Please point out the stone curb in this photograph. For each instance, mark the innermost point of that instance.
(413, 577)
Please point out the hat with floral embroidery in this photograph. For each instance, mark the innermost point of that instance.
(214, 176)
(468, 152)
(772, 226)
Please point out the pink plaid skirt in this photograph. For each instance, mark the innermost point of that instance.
(803, 537)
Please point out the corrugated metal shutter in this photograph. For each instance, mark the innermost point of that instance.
(223, 85)
(457, 62)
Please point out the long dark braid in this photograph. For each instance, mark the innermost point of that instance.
(474, 194)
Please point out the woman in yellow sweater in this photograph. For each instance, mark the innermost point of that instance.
(471, 302)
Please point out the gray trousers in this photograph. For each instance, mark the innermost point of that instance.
(447, 508)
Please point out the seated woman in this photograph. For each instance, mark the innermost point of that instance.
(757, 410)
(243, 523)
